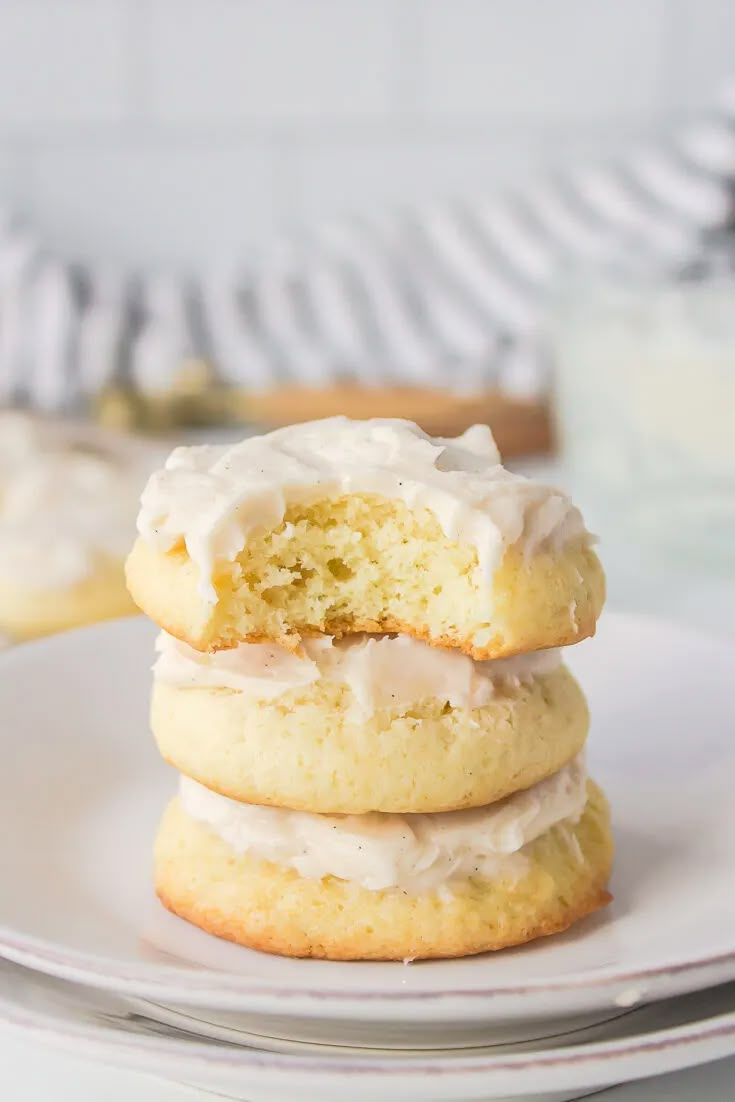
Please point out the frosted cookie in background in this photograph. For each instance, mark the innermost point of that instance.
(68, 500)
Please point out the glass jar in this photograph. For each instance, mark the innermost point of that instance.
(644, 361)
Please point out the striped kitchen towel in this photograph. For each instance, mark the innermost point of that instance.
(448, 294)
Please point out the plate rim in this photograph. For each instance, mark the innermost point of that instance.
(197, 985)
(207, 1055)
(206, 984)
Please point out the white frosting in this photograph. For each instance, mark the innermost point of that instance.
(381, 671)
(211, 498)
(413, 853)
(61, 504)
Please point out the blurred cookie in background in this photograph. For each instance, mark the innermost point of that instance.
(68, 501)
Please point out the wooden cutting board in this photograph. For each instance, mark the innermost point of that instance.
(520, 427)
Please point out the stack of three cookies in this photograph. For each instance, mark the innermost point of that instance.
(360, 683)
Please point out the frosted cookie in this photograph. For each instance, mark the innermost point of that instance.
(387, 887)
(67, 512)
(364, 723)
(342, 526)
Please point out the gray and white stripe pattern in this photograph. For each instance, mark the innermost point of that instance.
(447, 294)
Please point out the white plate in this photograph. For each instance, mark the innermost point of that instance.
(81, 789)
(68, 1078)
(351, 1037)
(649, 1041)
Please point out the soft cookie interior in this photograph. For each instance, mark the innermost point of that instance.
(364, 563)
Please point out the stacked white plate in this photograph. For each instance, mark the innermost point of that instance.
(94, 964)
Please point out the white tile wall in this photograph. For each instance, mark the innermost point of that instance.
(62, 62)
(171, 131)
(339, 175)
(169, 205)
(265, 61)
(702, 50)
(335, 176)
(531, 59)
(13, 177)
